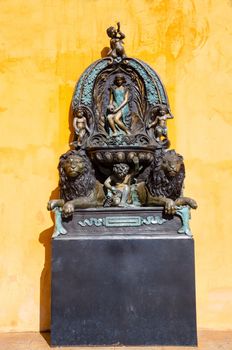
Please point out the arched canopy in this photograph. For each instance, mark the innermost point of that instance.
(84, 90)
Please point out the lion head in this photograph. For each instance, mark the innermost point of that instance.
(167, 175)
(171, 163)
(77, 177)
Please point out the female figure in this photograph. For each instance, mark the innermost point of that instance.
(118, 108)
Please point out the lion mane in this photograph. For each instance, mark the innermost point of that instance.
(80, 186)
(160, 182)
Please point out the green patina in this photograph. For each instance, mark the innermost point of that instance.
(84, 87)
(184, 213)
(122, 221)
(59, 228)
(155, 90)
(158, 84)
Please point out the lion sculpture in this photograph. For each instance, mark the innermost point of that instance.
(80, 189)
(164, 185)
(78, 185)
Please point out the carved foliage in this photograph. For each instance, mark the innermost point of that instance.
(154, 88)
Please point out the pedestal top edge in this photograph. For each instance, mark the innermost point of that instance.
(122, 237)
(119, 209)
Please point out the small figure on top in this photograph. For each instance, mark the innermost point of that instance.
(116, 42)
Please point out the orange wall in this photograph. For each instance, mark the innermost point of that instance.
(45, 45)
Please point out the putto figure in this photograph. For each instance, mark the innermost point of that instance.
(118, 186)
(116, 42)
(80, 126)
(118, 108)
(160, 114)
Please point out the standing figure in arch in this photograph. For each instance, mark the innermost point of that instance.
(118, 108)
(80, 126)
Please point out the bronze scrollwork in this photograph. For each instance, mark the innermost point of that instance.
(120, 157)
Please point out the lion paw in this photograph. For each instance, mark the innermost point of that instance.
(68, 209)
(170, 206)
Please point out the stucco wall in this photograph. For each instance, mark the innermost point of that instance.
(45, 45)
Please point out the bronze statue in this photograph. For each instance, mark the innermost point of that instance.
(118, 186)
(118, 107)
(120, 210)
(120, 190)
(160, 115)
(164, 185)
(121, 157)
(116, 42)
(78, 185)
(80, 126)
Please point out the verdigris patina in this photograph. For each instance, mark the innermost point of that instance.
(121, 157)
(122, 248)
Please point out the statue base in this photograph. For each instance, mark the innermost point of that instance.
(136, 288)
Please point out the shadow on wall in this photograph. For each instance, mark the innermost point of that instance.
(45, 239)
(72, 136)
(104, 52)
(45, 278)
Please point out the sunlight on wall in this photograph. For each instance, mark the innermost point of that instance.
(45, 46)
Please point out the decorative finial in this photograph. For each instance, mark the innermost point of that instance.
(116, 42)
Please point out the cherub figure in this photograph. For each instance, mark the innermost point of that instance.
(80, 126)
(161, 114)
(116, 42)
(118, 185)
(118, 107)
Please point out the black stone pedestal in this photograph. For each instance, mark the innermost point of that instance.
(115, 289)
